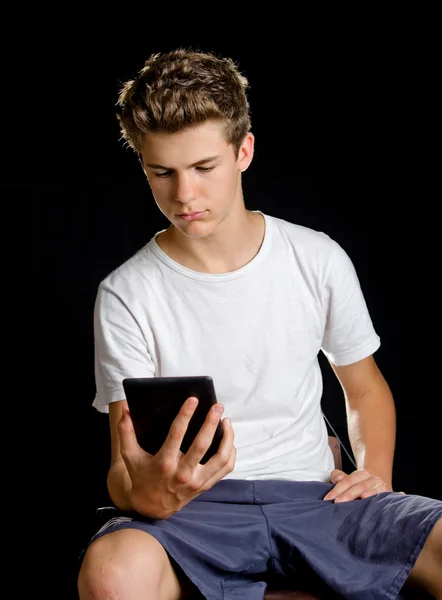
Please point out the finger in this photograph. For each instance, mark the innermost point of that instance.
(228, 468)
(204, 437)
(223, 461)
(129, 447)
(363, 489)
(178, 428)
(376, 489)
(347, 482)
(201, 478)
(335, 476)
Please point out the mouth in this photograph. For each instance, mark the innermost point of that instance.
(191, 216)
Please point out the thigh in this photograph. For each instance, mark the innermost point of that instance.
(359, 548)
(220, 534)
(130, 564)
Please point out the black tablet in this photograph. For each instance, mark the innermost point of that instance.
(154, 402)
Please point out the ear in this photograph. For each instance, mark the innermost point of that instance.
(246, 150)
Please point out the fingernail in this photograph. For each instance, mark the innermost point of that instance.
(193, 402)
(219, 408)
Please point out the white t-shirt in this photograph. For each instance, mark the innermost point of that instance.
(256, 331)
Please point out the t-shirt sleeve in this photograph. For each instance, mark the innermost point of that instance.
(120, 348)
(349, 332)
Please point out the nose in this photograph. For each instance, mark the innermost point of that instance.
(185, 188)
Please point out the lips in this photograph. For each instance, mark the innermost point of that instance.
(194, 216)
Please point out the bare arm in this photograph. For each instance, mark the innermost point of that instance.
(371, 416)
(118, 481)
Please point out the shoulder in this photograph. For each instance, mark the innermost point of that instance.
(311, 246)
(301, 234)
(134, 272)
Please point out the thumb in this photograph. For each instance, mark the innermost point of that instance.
(336, 475)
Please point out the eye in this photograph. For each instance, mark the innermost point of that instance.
(204, 169)
(164, 174)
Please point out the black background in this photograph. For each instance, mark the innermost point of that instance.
(344, 145)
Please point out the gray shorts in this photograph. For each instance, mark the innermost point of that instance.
(240, 536)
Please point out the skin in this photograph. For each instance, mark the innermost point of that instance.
(228, 236)
(130, 564)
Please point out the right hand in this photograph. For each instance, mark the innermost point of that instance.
(162, 484)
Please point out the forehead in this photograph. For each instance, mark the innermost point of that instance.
(185, 147)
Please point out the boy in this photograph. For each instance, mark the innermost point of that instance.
(250, 300)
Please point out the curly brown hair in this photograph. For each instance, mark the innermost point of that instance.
(184, 87)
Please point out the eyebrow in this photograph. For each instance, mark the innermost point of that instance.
(196, 164)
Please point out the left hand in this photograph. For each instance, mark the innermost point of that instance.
(358, 484)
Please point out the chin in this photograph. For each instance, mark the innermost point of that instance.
(194, 230)
(195, 235)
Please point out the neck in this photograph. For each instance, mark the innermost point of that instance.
(235, 242)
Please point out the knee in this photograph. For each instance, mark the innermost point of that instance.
(427, 569)
(101, 576)
(113, 568)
